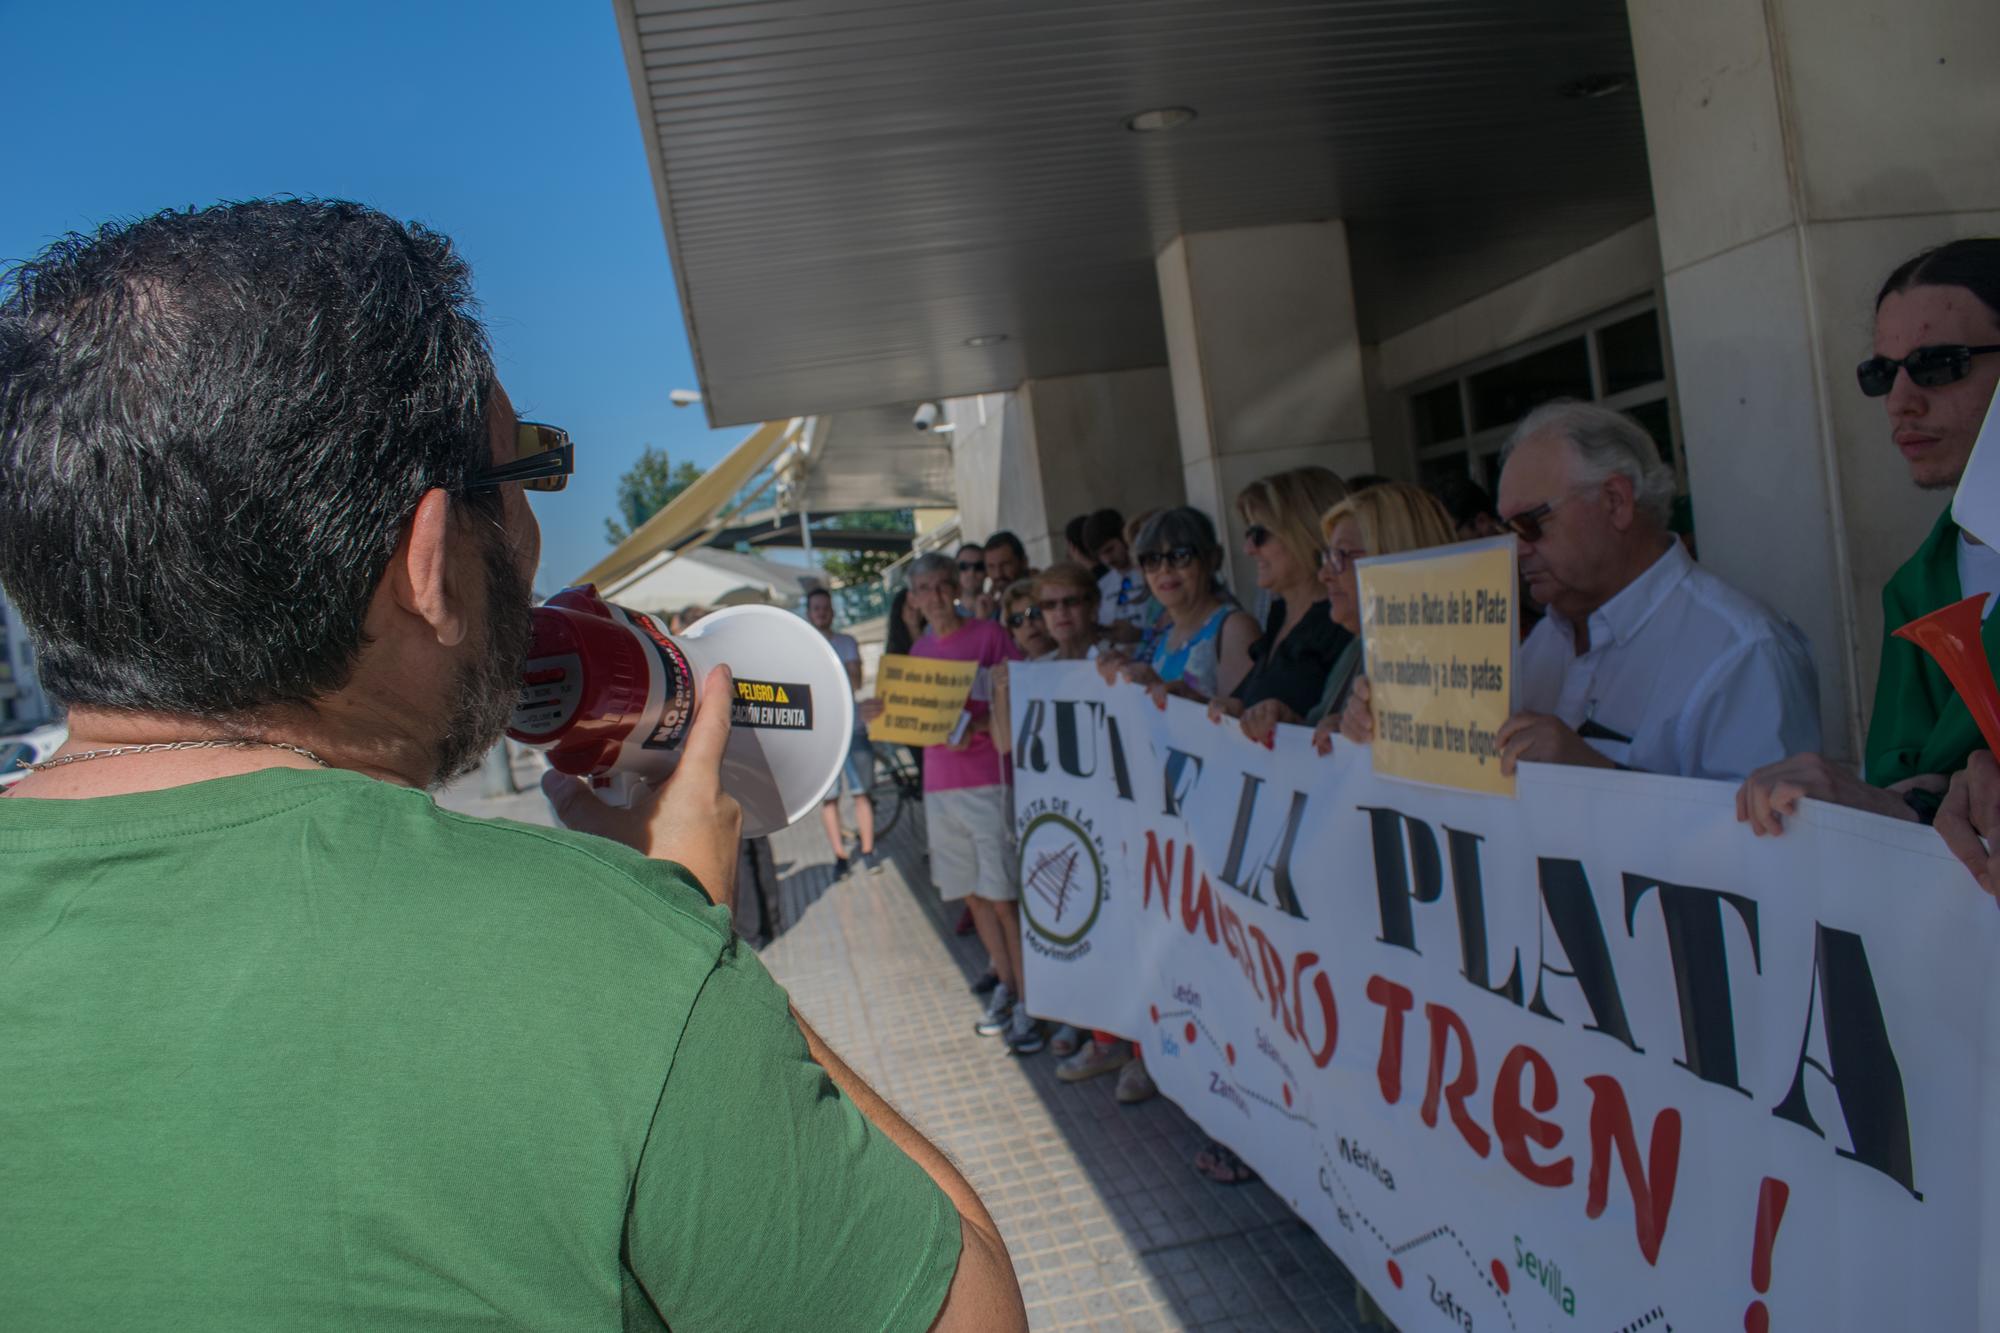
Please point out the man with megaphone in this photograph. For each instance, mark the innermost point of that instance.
(286, 1043)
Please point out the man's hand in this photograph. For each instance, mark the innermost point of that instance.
(1542, 739)
(1260, 720)
(870, 709)
(1357, 720)
(688, 818)
(1772, 793)
(1971, 811)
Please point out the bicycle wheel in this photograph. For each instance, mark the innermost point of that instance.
(894, 775)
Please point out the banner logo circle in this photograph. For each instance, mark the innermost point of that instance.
(1062, 879)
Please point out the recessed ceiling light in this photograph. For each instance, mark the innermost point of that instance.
(986, 340)
(1594, 86)
(1160, 118)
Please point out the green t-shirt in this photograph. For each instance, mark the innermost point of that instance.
(1919, 724)
(300, 1050)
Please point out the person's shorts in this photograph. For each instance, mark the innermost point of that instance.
(971, 852)
(857, 771)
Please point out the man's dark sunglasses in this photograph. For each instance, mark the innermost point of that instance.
(543, 461)
(1929, 367)
(1020, 618)
(1180, 557)
(972, 566)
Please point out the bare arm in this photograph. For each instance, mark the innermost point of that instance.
(984, 1294)
(1233, 654)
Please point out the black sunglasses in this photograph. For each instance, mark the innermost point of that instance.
(1180, 557)
(544, 458)
(1256, 534)
(972, 566)
(1020, 618)
(1527, 525)
(1929, 367)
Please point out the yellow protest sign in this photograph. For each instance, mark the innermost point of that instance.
(1438, 633)
(922, 698)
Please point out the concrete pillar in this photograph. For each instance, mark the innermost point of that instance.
(1266, 361)
(1799, 150)
(1029, 460)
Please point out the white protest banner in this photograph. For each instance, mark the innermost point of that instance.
(1975, 506)
(1594, 1058)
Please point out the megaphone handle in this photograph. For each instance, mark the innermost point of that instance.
(617, 788)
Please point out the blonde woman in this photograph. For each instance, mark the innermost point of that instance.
(1388, 519)
(1300, 641)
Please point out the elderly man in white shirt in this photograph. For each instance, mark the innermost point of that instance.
(1645, 660)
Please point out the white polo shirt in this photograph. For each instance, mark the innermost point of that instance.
(1685, 676)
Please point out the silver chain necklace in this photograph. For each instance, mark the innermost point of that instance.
(164, 746)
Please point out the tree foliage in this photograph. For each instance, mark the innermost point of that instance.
(647, 487)
(861, 566)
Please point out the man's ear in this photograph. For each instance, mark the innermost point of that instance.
(1622, 500)
(420, 576)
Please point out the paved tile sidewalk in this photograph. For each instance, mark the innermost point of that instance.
(1109, 1225)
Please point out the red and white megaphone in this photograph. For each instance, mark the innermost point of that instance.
(609, 694)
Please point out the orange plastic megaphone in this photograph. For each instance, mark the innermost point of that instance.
(1951, 635)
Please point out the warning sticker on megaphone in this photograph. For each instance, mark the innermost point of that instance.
(774, 705)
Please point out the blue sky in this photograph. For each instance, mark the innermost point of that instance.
(508, 126)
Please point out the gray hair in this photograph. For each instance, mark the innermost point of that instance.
(1605, 444)
(934, 562)
(1181, 526)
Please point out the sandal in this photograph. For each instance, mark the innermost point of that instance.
(1222, 1166)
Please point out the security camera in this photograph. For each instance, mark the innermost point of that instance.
(926, 417)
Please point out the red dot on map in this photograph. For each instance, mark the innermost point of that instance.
(1229, 1053)
(1287, 1090)
(1154, 1010)
(1396, 1274)
(1190, 1031)
(1500, 1276)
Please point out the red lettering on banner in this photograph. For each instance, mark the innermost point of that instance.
(1159, 868)
(1516, 1126)
(1443, 1020)
(1239, 947)
(1273, 965)
(1197, 904)
(1329, 1014)
(1395, 1001)
(1653, 1186)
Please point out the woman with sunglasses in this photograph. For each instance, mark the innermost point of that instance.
(1022, 616)
(1202, 646)
(1387, 519)
(1936, 366)
(1300, 642)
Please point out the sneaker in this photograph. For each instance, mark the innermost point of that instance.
(1065, 1041)
(999, 1010)
(985, 985)
(1024, 1033)
(1135, 1084)
(871, 863)
(1094, 1058)
(840, 867)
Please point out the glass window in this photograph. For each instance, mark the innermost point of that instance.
(1629, 353)
(1658, 423)
(1503, 395)
(1440, 416)
(1437, 471)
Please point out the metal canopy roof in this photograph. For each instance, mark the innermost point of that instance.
(851, 189)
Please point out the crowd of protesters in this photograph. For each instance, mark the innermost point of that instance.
(1633, 655)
